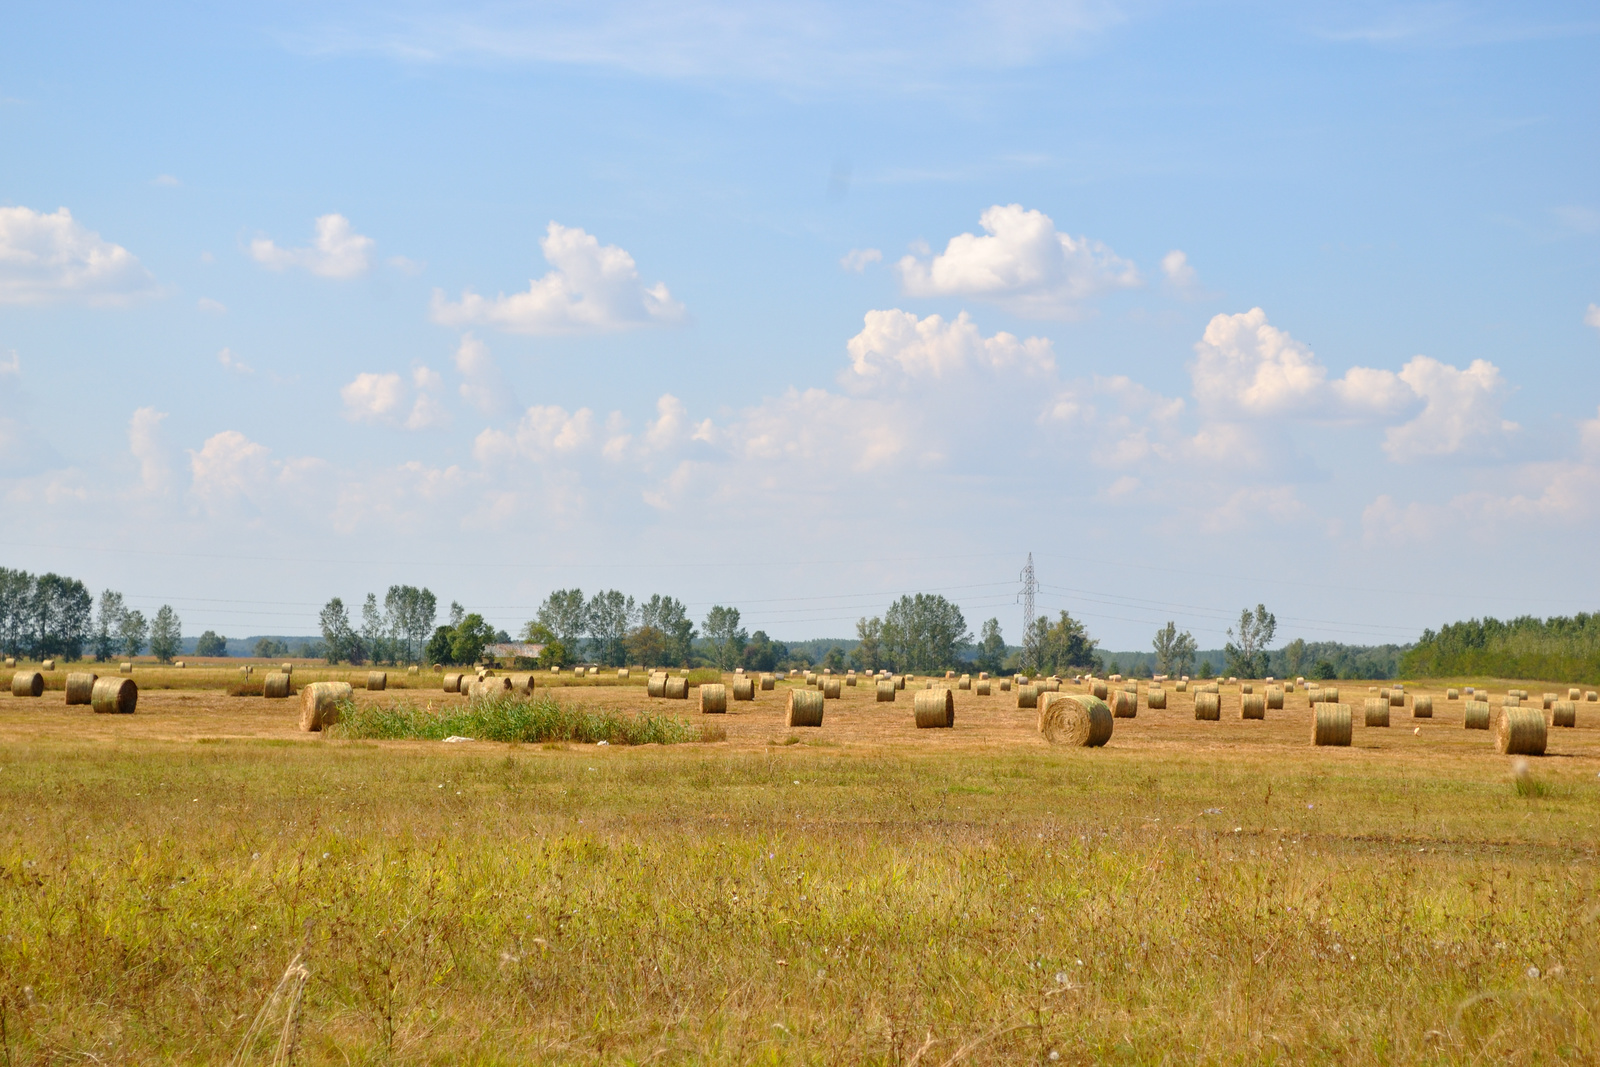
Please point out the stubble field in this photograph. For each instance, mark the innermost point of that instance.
(860, 893)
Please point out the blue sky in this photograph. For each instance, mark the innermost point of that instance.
(801, 307)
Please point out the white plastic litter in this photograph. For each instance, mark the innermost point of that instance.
(453, 740)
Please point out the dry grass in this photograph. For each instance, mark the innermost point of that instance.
(862, 893)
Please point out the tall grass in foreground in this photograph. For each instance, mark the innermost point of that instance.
(508, 718)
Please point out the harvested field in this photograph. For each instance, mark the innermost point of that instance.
(871, 892)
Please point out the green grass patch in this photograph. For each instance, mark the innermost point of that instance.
(517, 719)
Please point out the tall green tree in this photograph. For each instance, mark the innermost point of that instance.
(166, 634)
(409, 613)
(610, 616)
(1062, 646)
(991, 653)
(924, 633)
(375, 631)
(868, 653)
(1294, 658)
(1174, 650)
(1246, 650)
(468, 640)
(563, 611)
(133, 632)
(669, 615)
(763, 653)
(16, 609)
(63, 611)
(726, 637)
(211, 643)
(338, 637)
(106, 624)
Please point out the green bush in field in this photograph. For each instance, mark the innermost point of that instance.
(510, 718)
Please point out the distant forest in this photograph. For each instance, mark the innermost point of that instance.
(1560, 649)
(1313, 659)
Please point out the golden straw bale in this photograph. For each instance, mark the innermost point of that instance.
(1331, 725)
(27, 684)
(899, 681)
(1181, 686)
(1564, 713)
(114, 696)
(768, 683)
(411, 669)
(983, 676)
(1591, 696)
(452, 682)
(1208, 707)
(276, 686)
(1027, 696)
(377, 681)
(1099, 689)
(1397, 698)
(1421, 707)
(656, 685)
(831, 689)
(1252, 706)
(886, 692)
(1247, 688)
(850, 679)
(1511, 700)
(319, 704)
(1376, 712)
(1521, 732)
(1074, 719)
(677, 688)
(804, 709)
(1156, 699)
(981, 687)
(1288, 687)
(713, 698)
(1330, 695)
(1005, 685)
(1126, 706)
(744, 688)
(1452, 694)
(80, 687)
(1116, 677)
(934, 709)
(1274, 698)
(126, 668)
(523, 684)
(623, 672)
(1574, 694)
(1049, 685)
(1477, 714)
(288, 668)
(965, 682)
(811, 677)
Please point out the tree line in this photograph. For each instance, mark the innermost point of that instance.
(1560, 649)
(48, 615)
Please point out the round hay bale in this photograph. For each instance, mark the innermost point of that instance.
(50, 665)
(1252, 705)
(319, 704)
(1476, 714)
(1511, 700)
(1521, 732)
(288, 668)
(1127, 705)
(488, 687)
(811, 677)
(1452, 694)
(981, 687)
(1397, 698)
(1208, 707)
(1564, 713)
(1421, 707)
(656, 685)
(275, 686)
(1074, 719)
(768, 682)
(623, 672)
(114, 696)
(1331, 725)
(1591, 696)
(886, 691)
(522, 684)
(832, 689)
(899, 681)
(827, 670)
(1247, 688)
(1546, 701)
(804, 709)
(452, 682)
(744, 688)
(11, 661)
(377, 681)
(126, 668)
(1005, 685)
(1027, 696)
(713, 698)
(964, 682)
(1375, 712)
(1274, 697)
(1156, 699)
(1330, 695)
(27, 684)
(1181, 686)
(850, 679)
(1288, 687)
(411, 669)
(934, 709)
(1469, 690)
(80, 687)
(556, 669)
(1116, 677)
(1049, 685)
(1574, 694)
(983, 676)
(676, 688)
(1099, 689)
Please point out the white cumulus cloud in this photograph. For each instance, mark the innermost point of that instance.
(1462, 412)
(1246, 367)
(231, 472)
(337, 251)
(52, 257)
(144, 441)
(543, 432)
(482, 385)
(896, 345)
(592, 287)
(1176, 266)
(1022, 262)
(387, 399)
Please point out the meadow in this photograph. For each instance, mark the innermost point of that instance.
(1194, 892)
